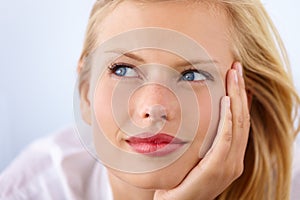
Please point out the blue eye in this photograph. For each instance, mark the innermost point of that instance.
(195, 75)
(123, 70)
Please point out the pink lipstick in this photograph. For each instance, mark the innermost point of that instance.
(155, 145)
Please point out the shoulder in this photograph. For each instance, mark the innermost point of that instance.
(56, 167)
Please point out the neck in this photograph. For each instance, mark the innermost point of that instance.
(124, 191)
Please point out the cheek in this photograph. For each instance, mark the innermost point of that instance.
(205, 104)
(103, 113)
(205, 109)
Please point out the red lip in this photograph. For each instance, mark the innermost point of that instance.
(156, 145)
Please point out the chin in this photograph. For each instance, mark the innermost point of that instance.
(161, 179)
(164, 179)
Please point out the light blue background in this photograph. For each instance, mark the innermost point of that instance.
(40, 43)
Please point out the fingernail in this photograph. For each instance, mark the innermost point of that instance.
(235, 76)
(240, 69)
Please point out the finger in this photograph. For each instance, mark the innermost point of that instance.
(243, 93)
(233, 91)
(243, 138)
(244, 117)
(221, 145)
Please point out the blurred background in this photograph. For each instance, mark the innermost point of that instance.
(40, 43)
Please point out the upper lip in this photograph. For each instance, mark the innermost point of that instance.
(158, 138)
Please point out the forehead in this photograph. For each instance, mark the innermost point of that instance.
(207, 25)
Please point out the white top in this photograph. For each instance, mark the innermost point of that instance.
(58, 167)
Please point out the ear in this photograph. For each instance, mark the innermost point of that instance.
(85, 105)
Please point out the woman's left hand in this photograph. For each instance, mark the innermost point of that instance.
(224, 162)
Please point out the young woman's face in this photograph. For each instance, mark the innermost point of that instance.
(154, 104)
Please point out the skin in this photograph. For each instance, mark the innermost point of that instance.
(198, 178)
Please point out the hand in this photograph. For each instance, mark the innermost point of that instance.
(224, 162)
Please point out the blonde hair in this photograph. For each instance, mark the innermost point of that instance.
(256, 43)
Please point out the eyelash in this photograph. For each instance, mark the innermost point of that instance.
(115, 66)
(207, 75)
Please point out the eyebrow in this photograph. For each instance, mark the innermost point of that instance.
(184, 63)
(127, 54)
(196, 62)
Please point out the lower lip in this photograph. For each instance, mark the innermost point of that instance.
(153, 148)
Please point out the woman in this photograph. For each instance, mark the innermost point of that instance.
(246, 160)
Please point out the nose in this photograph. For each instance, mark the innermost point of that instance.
(153, 103)
(155, 113)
